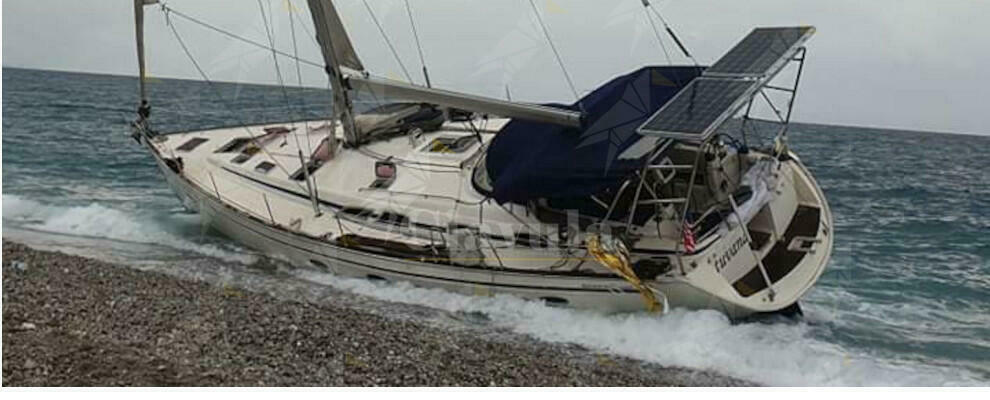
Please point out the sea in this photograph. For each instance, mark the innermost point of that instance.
(905, 300)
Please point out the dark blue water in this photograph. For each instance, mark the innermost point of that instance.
(904, 301)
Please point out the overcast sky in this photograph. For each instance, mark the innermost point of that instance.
(913, 64)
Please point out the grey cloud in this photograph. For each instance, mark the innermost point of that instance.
(911, 64)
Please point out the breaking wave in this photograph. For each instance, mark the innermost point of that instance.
(786, 354)
(96, 220)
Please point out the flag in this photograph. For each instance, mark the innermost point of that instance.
(688, 238)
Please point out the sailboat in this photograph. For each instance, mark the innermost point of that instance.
(640, 196)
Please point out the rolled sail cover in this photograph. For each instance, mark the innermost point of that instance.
(532, 160)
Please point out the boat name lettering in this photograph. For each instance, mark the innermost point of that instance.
(721, 260)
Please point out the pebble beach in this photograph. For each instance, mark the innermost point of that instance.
(75, 321)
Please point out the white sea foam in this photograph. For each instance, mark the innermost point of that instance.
(96, 220)
(772, 354)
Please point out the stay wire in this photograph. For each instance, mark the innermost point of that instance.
(216, 90)
(388, 42)
(172, 11)
(656, 31)
(302, 97)
(670, 31)
(553, 47)
(266, 18)
(419, 47)
(278, 69)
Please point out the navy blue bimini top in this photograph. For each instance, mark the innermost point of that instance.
(531, 160)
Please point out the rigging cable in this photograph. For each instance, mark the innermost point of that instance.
(216, 91)
(656, 32)
(170, 11)
(670, 31)
(303, 163)
(419, 47)
(388, 42)
(302, 97)
(556, 54)
(278, 70)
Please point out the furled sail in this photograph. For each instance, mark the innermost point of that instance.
(139, 36)
(338, 52)
(330, 33)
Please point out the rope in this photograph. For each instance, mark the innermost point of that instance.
(615, 256)
(556, 54)
(388, 42)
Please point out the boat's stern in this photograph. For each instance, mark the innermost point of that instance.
(769, 263)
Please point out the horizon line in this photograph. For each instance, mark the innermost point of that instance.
(841, 125)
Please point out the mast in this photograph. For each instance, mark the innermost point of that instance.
(346, 73)
(337, 52)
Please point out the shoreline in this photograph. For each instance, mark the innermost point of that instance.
(76, 321)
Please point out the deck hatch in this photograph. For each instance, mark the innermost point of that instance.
(236, 144)
(449, 144)
(191, 144)
(263, 167)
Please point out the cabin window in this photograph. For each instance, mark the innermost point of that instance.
(263, 167)
(192, 144)
(246, 154)
(555, 301)
(532, 241)
(393, 219)
(234, 145)
(479, 177)
(241, 158)
(385, 217)
(300, 174)
(450, 145)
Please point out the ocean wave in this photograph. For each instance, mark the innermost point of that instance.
(97, 220)
(772, 354)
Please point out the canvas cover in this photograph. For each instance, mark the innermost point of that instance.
(532, 160)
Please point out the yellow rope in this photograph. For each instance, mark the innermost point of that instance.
(617, 260)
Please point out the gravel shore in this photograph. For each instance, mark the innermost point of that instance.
(73, 321)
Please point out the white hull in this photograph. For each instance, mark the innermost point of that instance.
(699, 286)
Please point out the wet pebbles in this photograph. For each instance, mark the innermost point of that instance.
(73, 321)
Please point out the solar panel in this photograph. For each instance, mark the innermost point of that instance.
(760, 51)
(698, 108)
